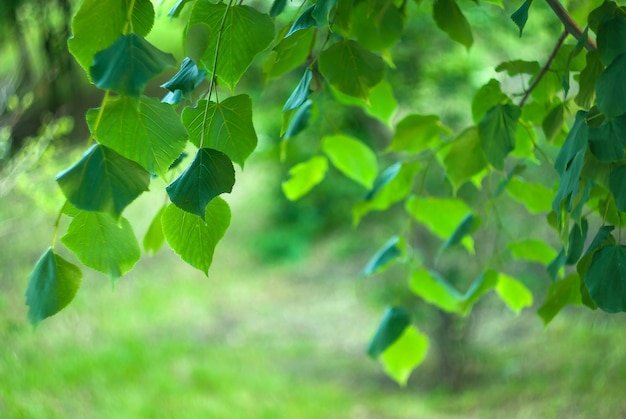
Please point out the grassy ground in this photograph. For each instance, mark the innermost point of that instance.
(281, 341)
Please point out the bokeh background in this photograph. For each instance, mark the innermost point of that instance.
(280, 327)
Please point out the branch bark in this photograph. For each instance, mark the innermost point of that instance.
(571, 27)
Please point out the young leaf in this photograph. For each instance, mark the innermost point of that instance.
(154, 238)
(465, 158)
(520, 16)
(52, 285)
(513, 293)
(177, 8)
(450, 19)
(416, 132)
(301, 92)
(304, 21)
(435, 290)
(91, 33)
(194, 238)
(102, 180)
(611, 88)
(559, 295)
(351, 69)
(486, 97)
(210, 174)
(127, 65)
(186, 79)
(304, 176)
(385, 255)
(353, 158)
(246, 32)
(381, 103)
(146, 131)
(103, 243)
(482, 285)
(225, 126)
(606, 278)
(497, 132)
(533, 251)
(534, 196)
(405, 354)
(392, 326)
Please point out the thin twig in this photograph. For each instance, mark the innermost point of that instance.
(571, 27)
(545, 68)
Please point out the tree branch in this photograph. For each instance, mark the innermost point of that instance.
(571, 27)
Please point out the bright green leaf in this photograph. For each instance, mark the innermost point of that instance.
(481, 285)
(194, 238)
(533, 251)
(415, 133)
(154, 238)
(304, 176)
(177, 8)
(225, 126)
(102, 180)
(513, 293)
(497, 132)
(389, 252)
(146, 131)
(450, 19)
(515, 67)
(435, 290)
(127, 65)
(92, 33)
(351, 69)
(465, 158)
(103, 243)
(381, 103)
(559, 295)
(289, 54)
(534, 196)
(467, 226)
(405, 354)
(353, 158)
(210, 174)
(611, 88)
(392, 326)
(606, 278)
(52, 285)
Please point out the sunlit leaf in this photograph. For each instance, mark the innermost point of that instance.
(435, 290)
(405, 354)
(534, 196)
(467, 226)
(52, 285)
(127, 65)
(389, 252)
(376, 24)
(154, 238)
(304, 176)
(210, 174)
(102, 180)
(353, 158)
(392, 326)
(513, 293)
(560, 294)
(515, 67)
(194, 238)
(103, 243)
(289, 54)
(486, 97)
(415, 133)
(381, 103)
(465, 158)
(532, 250)
(497, 132)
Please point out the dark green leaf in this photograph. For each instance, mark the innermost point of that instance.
(352, 157)
(304, 176)
(577, 237)
(186, 79)
(611, 88)
(154, 238)
(467, 226)
(177, 8)
(486, 98)
(465, 158)
(611, 39)
(575, 142)
(52, 285)
(587, 81)
(277, 7)
(194, 238)
(383, 257)
(351, 69)
(376, 24)
(600, 239)
(103, 243)
(481, 285)
(520, 16)
(304, 21)
(321, 11)
(391, 327)
(606, 11)
(617, 184)
(515, 67)
(92, 33)
(450, 19)
(299, 121)
(607, 141)
(103, 181)
(606, 278)
(497, 133)
(559, 295)
(210, 174)
(146, 131)
(553, 122)
(556, 264)
(415, 133)
(301, 92)
(225, 126)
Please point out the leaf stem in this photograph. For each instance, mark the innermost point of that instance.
(57, 222)
(570, 25)
(129, 18)
(545, 68)
(105, 99)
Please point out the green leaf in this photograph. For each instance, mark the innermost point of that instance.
(127, 65)
(486, 98)
(301, 92)
(321, 11)
(225, 126)
(304, 21)
(186, 79)
(481, 285)
(377, 25)
(607, 141)
(102, 180)
(154, 238)
(516, 67)
(304, 176)
(553, 122)
(559, 295)
(289, 54)
(103, 243)
(392, 326)
(415, 133)
(405, 354)
(177, 8)
(450, 19)
(52, 285)
(351, 69)
(440, 215)
(513, 293)
(617, 181)
(606, 278)
(390, 251)
(211, 173)
(587, 80)
(576, 243)
(353, 158)
(246, 33)
(146, 131)
(277, 7)
(534, 196)
(393, 185)
(533, 251)
(465, 158)
(381, 103)
(611, 39)
(435, 290)
(575, 143)
(467, 226)
(520, 16)
(497, 132)
(194, 238)
(611, 88)
(92, 33)
(299, 121)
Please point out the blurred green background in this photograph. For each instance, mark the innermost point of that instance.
(280, 327)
